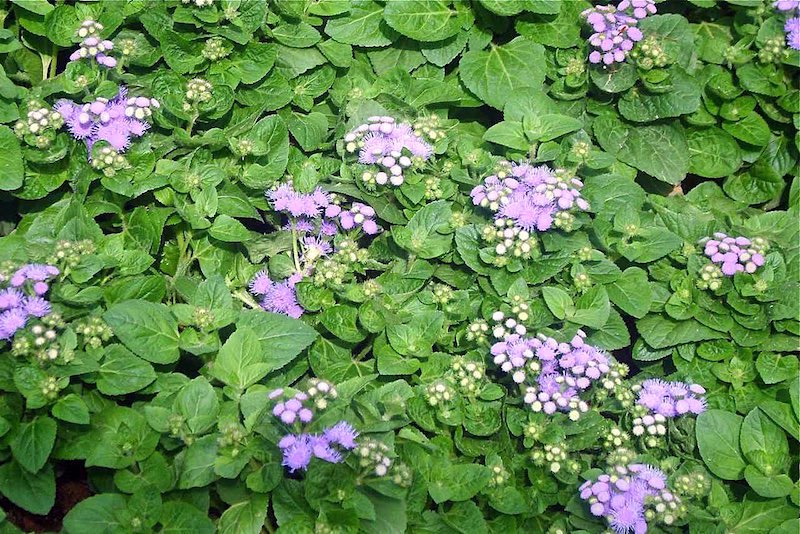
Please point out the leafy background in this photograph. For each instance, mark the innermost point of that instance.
(710, 147)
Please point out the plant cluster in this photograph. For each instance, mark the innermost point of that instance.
(385, 266)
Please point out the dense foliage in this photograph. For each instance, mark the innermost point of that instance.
(476, 266)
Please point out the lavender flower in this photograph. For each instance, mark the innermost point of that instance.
(622, 495)
(359, 215)
(390, 147)
(671, 399)
(735, 254)
(615, 31)
(276, 297)
(21, 298)
(92, 47)
(113, 121)
(787, 5)
(792, 29)
(552, 374)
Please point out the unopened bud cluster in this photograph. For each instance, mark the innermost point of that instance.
(108, 160)
(40, 341)
(92, 46)
(94, 330)
(203, 318)
(555, 457)
(509, 241)
(468, 375)
(442, 293)
(216, 48)
(499, 476)
(39, 126)
(650, 54)
(478, 331)
(439, 393)
(198, 3)
(373, 457)
(651, 429)
(773, 50)
(232, 435)
(69, 253)
(198, 91)
(710, 277)
(694, 485)
(429, 127)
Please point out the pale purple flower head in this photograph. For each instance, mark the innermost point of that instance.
(277, 297)
(792, 29)
(615, 31)
(11, 321)
(342, 434)
(787, 5)
(671, 399)
(298, 454)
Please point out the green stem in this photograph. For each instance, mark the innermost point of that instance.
(246, 298)
(295, 254)
(53, 63)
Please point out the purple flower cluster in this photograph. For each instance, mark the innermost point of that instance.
(615, 30)
(621, 496)
(92, 46)
(390, 146)
(554, 373)
(22, 297)
(299, 447)
(359, 215)
(792, 25)
(529, 198)
(277, 297)
(735, 254)
(672, 399)
(114, 121)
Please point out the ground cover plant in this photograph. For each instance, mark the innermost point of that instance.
(430, 266)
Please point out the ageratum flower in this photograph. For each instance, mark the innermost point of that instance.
(735, 254)
(115, 121)
(276, 297)
(792, 29)
(531, 197)
(622, 495)
(390, 147)
(92, 47)
(615, 29)
(21, 297)
(671, 399)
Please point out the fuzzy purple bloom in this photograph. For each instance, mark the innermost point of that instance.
(671, 399)
(615, 31)
(530, 198)
(277, 297)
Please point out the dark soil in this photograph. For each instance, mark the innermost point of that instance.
(71, 488)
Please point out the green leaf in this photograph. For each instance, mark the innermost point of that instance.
(458, 482)
(183, 518)
(245, 517)
(424, 20)
(12, 172)
(713, 153)
(496, 74)
(282, 338)
(764, 444)
(341, 321)
(241, 361)
(661, 332)
(71, 408)
(775, 368)
(558, 301)
(592, 308)
(148, 329)
(198, 404)
(362, 26)
(35, 493)
(33, 441)
(682, 98)
(631, 292)
(123, 372)
(228, 229)
(98, 514)
(768, 486)
(428, 233)
(717, 434)
(658, 150)
(751, 129)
